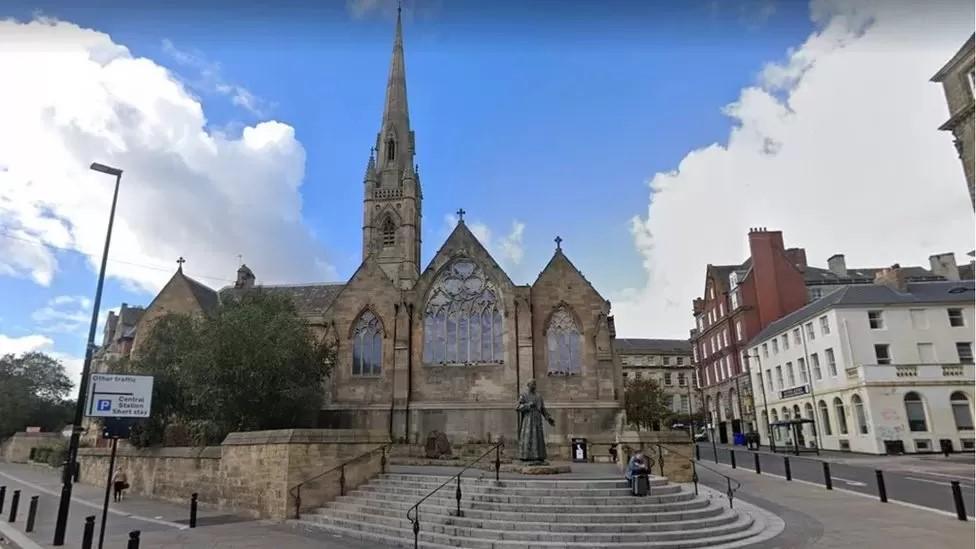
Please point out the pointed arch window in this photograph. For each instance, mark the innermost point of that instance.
(565, 343)
(389, 232)
(463, 318)
(390, 148)
(367, 345)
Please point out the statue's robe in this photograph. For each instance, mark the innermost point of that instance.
(532, 438)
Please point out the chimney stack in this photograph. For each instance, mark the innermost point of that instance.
(944, 265)
(798, 257)
(892, 277)
(837, 265)
(245, 278)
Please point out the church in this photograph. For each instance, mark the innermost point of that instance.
(447, 346)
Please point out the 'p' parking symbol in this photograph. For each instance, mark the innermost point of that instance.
(104, 405)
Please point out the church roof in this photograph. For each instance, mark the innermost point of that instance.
(651, 346)
(308, 298)
(205, 296)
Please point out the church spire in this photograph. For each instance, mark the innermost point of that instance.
(395, 112)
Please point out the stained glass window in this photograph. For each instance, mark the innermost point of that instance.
(565, 343)
(463, 318)
(367, 346)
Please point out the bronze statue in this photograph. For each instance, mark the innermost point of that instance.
(532, 438)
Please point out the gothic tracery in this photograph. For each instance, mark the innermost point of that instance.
(564, 343)
(367, 345)
(463, 318)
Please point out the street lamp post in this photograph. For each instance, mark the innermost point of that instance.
(762, 387)
(71, 463)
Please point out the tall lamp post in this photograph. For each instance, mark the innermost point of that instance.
(71, 463)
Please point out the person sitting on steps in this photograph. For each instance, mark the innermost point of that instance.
(637, 470)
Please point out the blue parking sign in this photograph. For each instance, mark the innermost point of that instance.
(104, 405)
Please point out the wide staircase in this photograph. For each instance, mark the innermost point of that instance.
(523, 513)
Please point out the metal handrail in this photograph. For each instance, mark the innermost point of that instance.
(415, 519)
(730, 489)
(296, 490)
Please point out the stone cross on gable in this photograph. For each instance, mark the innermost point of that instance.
(180, 262)
(559, 241)
(460, 214)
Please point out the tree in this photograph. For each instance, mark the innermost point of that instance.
(33, 388)
(645, 404)
(252, 365)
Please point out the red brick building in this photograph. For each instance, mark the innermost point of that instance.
(737, 303)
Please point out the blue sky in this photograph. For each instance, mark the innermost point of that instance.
(555, 116)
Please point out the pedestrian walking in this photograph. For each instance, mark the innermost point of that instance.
(120, 483)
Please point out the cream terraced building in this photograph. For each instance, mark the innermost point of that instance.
(880, 368)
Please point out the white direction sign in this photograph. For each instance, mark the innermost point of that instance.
(119, 395)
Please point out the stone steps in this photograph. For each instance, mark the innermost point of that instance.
(529, 513)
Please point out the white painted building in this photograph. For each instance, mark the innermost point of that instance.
(878, 368)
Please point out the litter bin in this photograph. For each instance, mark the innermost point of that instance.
(945, 445)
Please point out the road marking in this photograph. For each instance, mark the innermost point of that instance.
(939, 482)
(953, 477)
(850, 482)
(94, 505)
(19, 539)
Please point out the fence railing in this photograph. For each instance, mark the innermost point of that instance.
(731, 484)
(296, 491)
(413, 514)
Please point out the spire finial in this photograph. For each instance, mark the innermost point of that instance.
(180, 262)
(460, 214)
(559, 241)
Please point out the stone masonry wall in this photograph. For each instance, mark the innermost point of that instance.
(17, 448)
(252, 472)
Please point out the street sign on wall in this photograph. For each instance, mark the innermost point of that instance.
(119, 395)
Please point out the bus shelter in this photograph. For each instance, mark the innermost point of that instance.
(795, 440)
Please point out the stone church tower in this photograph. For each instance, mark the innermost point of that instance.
(391, 187)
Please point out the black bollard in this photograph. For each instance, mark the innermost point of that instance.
(697, 453)
(457, 495)
(133, 540)
(3, 496)
(89, 534)
(14, 501)
(828, 482)
(31, 514)
(193, 510)
(957, 498)
(882, 491)
(758, 467)
(660, 460)
(732, 457)
(786, 466)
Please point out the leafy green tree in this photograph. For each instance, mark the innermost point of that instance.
(252, 365)
(645, 404)
(33, 387)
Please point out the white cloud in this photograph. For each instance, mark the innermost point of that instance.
(507, 250)
(837, 146)
(64, 314)
(362, 8)
(207, 78)
(79, 97)
(24, 344)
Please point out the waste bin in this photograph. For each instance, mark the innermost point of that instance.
(580, 454)
(945, 445)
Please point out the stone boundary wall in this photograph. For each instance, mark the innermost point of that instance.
(675, 451)
(251, 472)
(17, 448)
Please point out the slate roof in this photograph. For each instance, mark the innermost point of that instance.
(308, 298)
(873, 294)
(814, 275)
(205, 296)
(652, 346)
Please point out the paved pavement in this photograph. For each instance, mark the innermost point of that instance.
(162, 524)
(815, 518)
(822, 519)
(920, 480)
